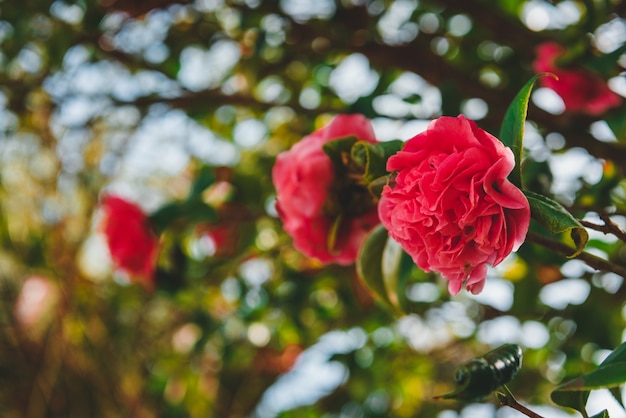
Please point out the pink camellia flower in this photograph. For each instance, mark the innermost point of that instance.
(581, 90)
(132, 244)
(310, 197)
(449, 203)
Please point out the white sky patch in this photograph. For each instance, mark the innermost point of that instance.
(611, 35)
(501, 330)
(565, 292)
(201, 69)
(313, 376)
(157, 147)
(569, 167)
(303, 10)
(394, 25)
(497, 293)
(539, 15)
(353, 78)
(548, 100)
(249, 132)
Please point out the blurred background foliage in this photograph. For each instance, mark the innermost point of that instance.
(159, 100)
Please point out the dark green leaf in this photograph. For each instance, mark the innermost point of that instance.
(603, 414)
(204, 179)
(512, 129)
(373, 157)
(610, 374)
(338, 149)
(605, 376)
(617, 356)
(571, 399)
(617, 395)
(369, 262)
(557, 219)
(396, 267)
(477, 378)
(162, 217)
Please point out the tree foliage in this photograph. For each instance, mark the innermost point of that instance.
(183, 107)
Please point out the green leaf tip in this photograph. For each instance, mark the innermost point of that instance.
(384, 267)
(557, 220)
(512, 129)
(610, 374)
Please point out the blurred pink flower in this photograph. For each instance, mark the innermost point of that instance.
(449, 203)
(310, 197)
(37, 296)
(132, 244)
(581, 90)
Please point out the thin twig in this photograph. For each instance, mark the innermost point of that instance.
(609, 227)
(507, 399)
(564, 249)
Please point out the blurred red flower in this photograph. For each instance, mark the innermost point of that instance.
(132, 244)
(310, 198)
(581, 90)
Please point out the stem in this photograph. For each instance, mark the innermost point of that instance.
(507, 399)
(609, 227)
(591, 260)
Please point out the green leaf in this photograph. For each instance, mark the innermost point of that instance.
(204, 179)
(618, 355)
(605, 376)
(396, 266)
(512, 129)
(477, 378)
(571, 399)
(603, 414)
(373, 157)
(166, 214)
(609, 375)
(385, 267)
(369, 263)
(338, 149)
(557, 220)
(333, 232)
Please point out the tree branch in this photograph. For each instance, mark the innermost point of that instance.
(564, 249)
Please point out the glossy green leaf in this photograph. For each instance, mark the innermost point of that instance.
(557, 220)
(610, 374)
(603, 414)
(571, 399)
(605, 376)
(373, 157)
(512, 129)
(396, 267)
(369, 263)
(338, 149)
(478, 377)
(617, 356)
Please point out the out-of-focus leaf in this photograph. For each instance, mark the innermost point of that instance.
(557, 219)
(396, 267)
(617, 123)
(571, 399)
(512, 129)
(480, 376)
(373, 157)
(369, 263)
(163, 216)
(603, 414)
(339, 149)
(610, 374)
(204, 179)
